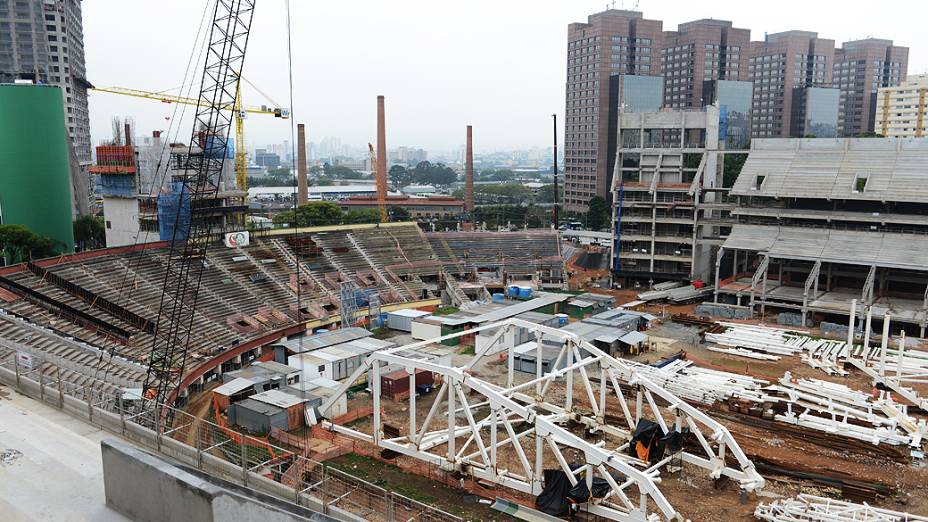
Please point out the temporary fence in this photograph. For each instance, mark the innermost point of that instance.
(216, 450)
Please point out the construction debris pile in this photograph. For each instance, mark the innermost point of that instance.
(803, 508)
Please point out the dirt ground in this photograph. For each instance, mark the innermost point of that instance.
(691, 490)
(415, 487)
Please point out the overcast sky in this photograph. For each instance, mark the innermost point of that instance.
(497, 65)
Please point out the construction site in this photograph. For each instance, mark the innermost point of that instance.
(747, 348)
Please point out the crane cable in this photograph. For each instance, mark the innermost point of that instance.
(293, 159)
(198, 50)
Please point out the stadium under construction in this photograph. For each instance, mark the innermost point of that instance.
(735, 347)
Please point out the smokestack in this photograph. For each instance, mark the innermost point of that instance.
(469, 173)
(301, 195)
(381, 174)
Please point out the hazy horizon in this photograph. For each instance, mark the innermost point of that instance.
(498, 66)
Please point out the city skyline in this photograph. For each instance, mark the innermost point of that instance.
(503, 74)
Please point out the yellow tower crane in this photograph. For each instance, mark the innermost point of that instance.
(240, 111)
(381, 203)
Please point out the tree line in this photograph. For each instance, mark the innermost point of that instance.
(327, 213)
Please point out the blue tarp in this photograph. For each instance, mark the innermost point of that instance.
(174, 212)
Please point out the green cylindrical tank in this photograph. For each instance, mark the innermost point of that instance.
(35, 181)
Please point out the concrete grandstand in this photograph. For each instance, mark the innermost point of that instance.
(89, 315)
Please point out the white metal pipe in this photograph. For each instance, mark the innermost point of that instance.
(884, 341)
(412, 404)
(900, 355)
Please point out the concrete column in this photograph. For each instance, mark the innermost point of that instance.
(302, 196)
(850, 324)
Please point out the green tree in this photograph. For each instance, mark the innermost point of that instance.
(269, 181)
(315, 214)
(363, 215)
(598, 213)
(341, 172)
(89, 232)
(279, 172)
(399, 214)
(870, 134)
(433, 174)
(497, 175)
(18, 244)
(733, 166)
(399, 176)
(546, 194)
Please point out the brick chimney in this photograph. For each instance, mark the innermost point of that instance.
(301, 190)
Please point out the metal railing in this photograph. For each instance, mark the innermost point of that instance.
(215, 449)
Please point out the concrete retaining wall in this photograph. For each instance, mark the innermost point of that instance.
(175, 449)
(147, 488)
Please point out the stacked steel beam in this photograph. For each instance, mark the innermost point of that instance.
(810, 508)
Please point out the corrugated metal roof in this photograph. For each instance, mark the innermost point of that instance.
(512, 310)
(829, 168)
(850, 247)
(633, 337)
(410, 312)
(234, 386)
(261, 408)
(318, 341)
(277, 398)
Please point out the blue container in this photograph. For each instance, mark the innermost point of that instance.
(322, 330)
(525, 292)
(561, 319)
(513, 291)
(499, 298)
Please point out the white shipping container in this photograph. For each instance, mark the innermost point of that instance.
(422, 330)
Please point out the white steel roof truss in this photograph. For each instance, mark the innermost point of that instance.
(533, 404)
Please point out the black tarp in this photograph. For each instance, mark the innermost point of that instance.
(553, 498)
(649, 442)
(558, 494)
(581, 494)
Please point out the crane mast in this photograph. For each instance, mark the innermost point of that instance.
(201, 173)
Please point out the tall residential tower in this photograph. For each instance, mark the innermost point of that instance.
(861, 68)
(610, 43)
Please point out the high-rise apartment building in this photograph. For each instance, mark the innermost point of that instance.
(43, 40)
(611, 43)
(798, 84)
(778, 66)
(902, 110)
(700, 51)
(861, 68)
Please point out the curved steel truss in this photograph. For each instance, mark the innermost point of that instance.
(586, 409)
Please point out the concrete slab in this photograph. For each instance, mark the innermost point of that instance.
(58, 475)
